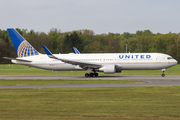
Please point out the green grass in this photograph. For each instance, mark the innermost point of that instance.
(132, 103)
(14, 69)
(53, 82)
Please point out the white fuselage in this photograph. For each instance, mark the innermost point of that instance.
(123, 61)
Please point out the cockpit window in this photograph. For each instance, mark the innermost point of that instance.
(169, 58)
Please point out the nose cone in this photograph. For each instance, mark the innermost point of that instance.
(174, 62)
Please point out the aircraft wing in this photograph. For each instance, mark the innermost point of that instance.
(82, 64)
(9, 58)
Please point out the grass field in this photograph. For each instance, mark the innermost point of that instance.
(125, 103)
(14, 69)
(53, 82)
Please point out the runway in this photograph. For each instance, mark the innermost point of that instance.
(150, 81)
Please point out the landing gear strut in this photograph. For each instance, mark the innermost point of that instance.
(163, 71)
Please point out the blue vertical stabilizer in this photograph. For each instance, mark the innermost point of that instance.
(22, 47)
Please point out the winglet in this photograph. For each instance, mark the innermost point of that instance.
(76, 50)
(48, 52)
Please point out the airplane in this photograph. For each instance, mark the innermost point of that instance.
(108, 63)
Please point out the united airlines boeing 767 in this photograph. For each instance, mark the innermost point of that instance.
(92, 63)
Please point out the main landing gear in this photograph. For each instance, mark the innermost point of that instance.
(163, 71)
(91, 74)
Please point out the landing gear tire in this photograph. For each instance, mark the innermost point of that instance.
(163, 75)
(91, 74)
(163, 71)
(87, 75)
(95, 74)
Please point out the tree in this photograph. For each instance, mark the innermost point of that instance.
(113, 45)
(70, 41)
(177, 41)
(53, 36)
(86, 41)
(67, 45)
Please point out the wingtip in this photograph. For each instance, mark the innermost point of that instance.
(76, 50)
(46, 50)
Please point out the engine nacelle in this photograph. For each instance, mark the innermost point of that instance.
(108, 69)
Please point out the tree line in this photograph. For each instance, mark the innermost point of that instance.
(86, 41)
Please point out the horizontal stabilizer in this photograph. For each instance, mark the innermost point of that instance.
(9, 58)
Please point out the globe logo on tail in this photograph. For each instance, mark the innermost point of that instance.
(25, 49)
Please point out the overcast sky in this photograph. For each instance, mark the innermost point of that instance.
(101, 16)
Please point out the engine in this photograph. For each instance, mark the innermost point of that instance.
(109, 69)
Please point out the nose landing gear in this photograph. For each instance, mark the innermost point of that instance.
(163, 71)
